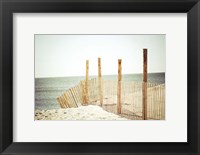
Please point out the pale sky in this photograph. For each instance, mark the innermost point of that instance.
(66, 55)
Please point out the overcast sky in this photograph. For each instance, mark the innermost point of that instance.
(66, 55)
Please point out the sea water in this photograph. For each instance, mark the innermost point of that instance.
(48, 89)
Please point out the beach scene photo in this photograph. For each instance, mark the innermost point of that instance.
(99, 77)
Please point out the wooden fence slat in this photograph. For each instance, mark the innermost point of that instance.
(76, 88)
(81, 93)
(90, 90)
(93, 89)
(86, 81)
(157, 97)
(159, 103)
(68, 106)
(64, 101)
(73, 95)
(59, 101)
(70, 99)
(163, 101)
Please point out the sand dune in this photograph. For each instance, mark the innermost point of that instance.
(90, 112)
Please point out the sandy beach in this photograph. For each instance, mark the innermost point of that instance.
(90, 112)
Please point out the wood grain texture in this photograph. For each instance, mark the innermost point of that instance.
(144, 86)
(119, 86)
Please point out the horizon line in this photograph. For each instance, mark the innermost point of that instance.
(93, 75)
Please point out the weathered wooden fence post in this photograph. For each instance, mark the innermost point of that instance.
(144, 86)
(86, 82)
(119, 86)
(100, 93)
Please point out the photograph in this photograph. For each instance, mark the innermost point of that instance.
(99, 77)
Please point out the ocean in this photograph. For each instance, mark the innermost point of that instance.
(47, 89)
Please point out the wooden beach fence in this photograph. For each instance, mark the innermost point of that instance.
(148, 97)
(156, 101)
(71, 98)
(144, 86)
(131, 98)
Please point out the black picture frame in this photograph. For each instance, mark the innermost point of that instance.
(8, 7)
